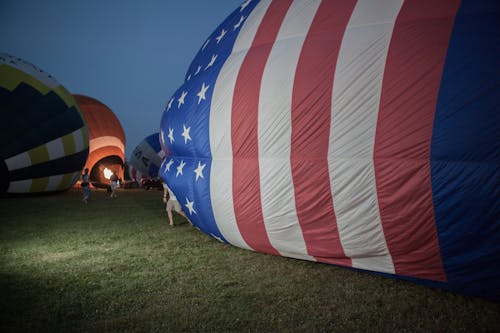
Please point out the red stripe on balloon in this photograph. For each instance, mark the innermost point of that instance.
(244, 136)
(404, 129)
(311, 112)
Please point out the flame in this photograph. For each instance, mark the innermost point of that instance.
(107, 173)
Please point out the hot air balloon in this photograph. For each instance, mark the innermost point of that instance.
(363, 134)
(43, 138)
(107, 141)
(146, 158)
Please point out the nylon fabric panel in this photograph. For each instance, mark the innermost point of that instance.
(45, 118)
(355, 101)
(278, 202)
(26, 70)
(17, 77)
(244, 136)
(100, 119)
(69, 143)
(221, 173)
(465, 152)
(68, 99)
(18, 161)
(39, 184)
(54, 182)
(82, 140)
(107, 141)
(39, 155)
(146, 156)
(311, 108)
(21, 186)
(404, 129)
(53, 167)
(56, 148)
(68, 180)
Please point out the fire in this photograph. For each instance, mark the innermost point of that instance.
(107, 173)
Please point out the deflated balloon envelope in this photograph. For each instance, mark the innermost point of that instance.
(363, 134)
(107, 141)
(43, 137)
(146, 158)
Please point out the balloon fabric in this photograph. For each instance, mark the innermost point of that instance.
(44, 138)
(363, 134)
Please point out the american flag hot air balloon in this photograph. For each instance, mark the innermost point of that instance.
(364, 134)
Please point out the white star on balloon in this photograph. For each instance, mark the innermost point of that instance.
(185, 134)
(181, 99)
(189, 77)
(198, 70)
(162, 136)
(189, 205)
(205, 45)
(201, 93)
(242, 18)
(243, 5)
(171, 135)
(169, 164)
(170, 103)
(214, 56)
(222, 33)
(199, 170)
(179, 168)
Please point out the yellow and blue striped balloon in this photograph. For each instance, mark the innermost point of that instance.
(43, 136)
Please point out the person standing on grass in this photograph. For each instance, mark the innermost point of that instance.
(85, 185)
(172, 203)
(114, 184)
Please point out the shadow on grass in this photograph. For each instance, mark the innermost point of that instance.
(31, 304)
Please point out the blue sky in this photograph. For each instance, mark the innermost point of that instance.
(130, 55)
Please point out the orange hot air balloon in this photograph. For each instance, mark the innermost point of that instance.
(107, 141)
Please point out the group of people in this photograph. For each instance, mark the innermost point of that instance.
(169, 198)
(85, 185)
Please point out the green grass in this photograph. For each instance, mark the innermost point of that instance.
(115, 265)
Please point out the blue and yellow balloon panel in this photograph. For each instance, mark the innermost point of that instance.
(43, 137)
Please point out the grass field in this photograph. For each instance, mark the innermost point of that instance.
(115, 265)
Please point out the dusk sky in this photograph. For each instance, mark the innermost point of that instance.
(130, 55)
